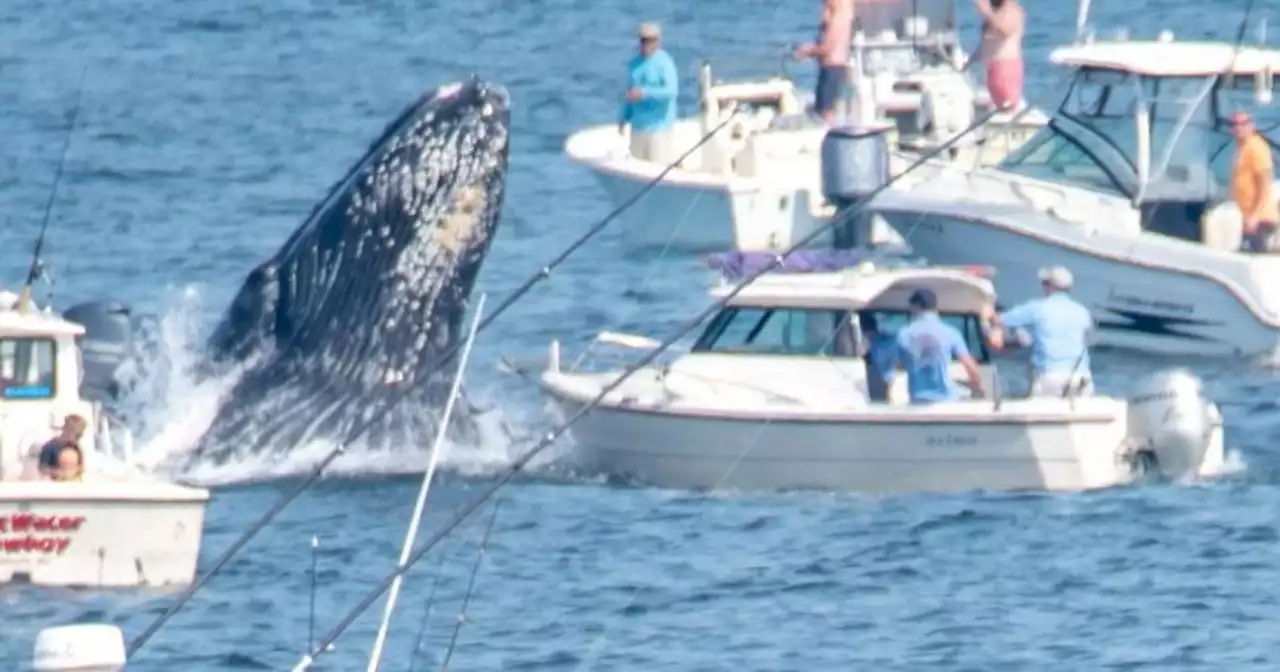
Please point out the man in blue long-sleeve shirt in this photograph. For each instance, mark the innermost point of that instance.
(649, 105)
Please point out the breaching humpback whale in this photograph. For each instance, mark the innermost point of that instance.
(372, 289)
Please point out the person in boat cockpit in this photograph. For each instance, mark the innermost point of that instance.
(1251, 180)
(1059, 328)
(879, 350)
(925, 349)
(649, 104)
(835, 38)
(73, 427)
(70, 463)
(1003, 24)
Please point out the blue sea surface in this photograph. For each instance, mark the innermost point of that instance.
(208, 132)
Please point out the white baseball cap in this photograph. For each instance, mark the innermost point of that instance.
(1057, 276)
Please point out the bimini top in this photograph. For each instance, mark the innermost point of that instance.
(959, 290)
(1166, 58)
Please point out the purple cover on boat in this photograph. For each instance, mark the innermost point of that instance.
(735, 265)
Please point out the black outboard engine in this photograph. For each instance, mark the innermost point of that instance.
(106, 343)
(855, 163)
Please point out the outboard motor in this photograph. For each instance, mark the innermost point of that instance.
(1172, 422)
(107, 342)
(855, 163)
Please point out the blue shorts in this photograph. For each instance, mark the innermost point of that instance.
(830, 89)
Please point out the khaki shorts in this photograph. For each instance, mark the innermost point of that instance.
(655, 147)
(1054, 384)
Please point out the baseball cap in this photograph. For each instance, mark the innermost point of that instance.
(1057, 276)
(650, 31)
(924, 298)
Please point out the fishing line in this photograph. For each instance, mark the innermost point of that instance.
(517, 466)
(399, 395)
(471, 586)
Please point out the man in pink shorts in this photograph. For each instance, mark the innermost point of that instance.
(1003, 25)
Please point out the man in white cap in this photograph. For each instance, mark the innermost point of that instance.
(1059, 328)
(649, 105)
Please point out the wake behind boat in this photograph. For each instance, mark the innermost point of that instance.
(775, 394)
(755, 185)
(111, 525)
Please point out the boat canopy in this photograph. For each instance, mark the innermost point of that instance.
(959, 290)
(1149, 120)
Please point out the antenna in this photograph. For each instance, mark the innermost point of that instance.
(24, 299)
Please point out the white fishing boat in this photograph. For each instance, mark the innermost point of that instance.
(114, 525)
(774, 394)
(755, 185)
(1129, 187)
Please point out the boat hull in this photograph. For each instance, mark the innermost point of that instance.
(99, 534)
(1151, 298)
(873, 452)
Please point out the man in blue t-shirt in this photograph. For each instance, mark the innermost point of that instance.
(926, 348)
(649, 104)
(73, 427)
(1059, 328)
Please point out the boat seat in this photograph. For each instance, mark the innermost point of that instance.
(1223, 227)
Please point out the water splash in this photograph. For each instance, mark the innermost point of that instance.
(173, 398)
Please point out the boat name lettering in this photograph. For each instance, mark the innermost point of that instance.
(30, 533)
(951, 440)
(1168, 306)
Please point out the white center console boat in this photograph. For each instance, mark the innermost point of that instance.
(756, 184)
(775, 394)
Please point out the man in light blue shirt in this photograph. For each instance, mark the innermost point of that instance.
(649, 105)
(926, 348)
(1059, 328)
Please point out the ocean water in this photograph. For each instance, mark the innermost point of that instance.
(207, 133)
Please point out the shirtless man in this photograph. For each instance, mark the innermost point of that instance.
(835, 37)
(1003, 25)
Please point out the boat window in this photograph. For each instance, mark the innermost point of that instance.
(1060, 152)
(778, 331)
(889, 322)
(27, 368)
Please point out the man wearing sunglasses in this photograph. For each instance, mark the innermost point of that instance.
(1251, 179)
(649, 105)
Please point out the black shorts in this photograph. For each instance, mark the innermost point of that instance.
(831, 84)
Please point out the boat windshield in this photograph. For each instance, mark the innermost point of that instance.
(27, 368)
(1092, 141)
(779, 331)
(922, 33)
(808, 332)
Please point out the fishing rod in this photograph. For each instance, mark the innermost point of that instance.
(471, 587)
(420, 504)
(34, 272)
(399, 395)
(519, 465)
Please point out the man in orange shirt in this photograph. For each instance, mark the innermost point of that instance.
(1251, 180)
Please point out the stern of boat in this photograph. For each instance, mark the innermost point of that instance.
(100, 534)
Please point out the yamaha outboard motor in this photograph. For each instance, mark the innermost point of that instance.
(855, 164)
(106, 343)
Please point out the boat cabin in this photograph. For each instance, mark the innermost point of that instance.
(809, 334)
(1149, 121)
(40, 365)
